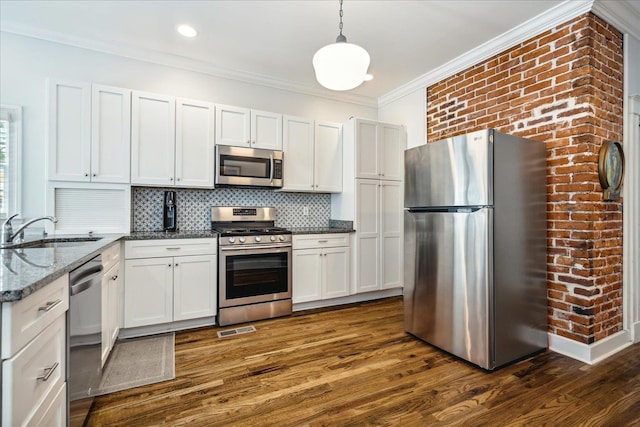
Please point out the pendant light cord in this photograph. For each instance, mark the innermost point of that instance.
(340, 26)
(340, 37)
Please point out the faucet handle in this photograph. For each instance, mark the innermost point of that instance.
(7, 229)
(7, 222)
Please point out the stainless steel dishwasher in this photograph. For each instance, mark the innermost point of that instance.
(84, 339)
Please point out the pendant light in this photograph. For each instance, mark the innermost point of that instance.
(341, 65)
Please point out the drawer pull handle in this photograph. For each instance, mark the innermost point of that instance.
(173, 249)
(48, 372)
(114, 277)
(49, 305)
(322, 241)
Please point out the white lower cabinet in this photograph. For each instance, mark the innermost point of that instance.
(110, 309)
(321, 267)
(165, 289)
(34, 376)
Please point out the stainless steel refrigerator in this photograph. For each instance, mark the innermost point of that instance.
(475, 246)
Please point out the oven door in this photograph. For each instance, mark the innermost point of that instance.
(254, 274)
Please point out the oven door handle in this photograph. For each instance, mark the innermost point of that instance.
(239, 248)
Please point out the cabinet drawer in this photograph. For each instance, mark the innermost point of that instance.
(53, 411)
(312, 241)
(23, 320)
(168, 247)
(33, 374)
(111, 256)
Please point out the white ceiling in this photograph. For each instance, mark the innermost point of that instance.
(275, 40)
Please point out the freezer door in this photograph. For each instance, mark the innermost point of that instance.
(453, 172)
(447, 290)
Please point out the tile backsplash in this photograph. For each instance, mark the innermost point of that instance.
(193, 207)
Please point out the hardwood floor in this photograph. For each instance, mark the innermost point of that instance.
(356, 366)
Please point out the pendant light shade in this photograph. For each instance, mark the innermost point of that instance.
(341, 65)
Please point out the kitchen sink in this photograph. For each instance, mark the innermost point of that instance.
(56, 242)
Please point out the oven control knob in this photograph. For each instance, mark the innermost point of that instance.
(232, 239)
(272, 238)
(242, 240)
(258, 238)
(282, 238)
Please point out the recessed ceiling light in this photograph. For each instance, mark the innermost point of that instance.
(187, 30)
(368, 77)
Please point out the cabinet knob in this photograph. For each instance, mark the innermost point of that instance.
(248, 142)
(95, 174)
(168, 265)
(178, 179)
(176, 264)
(171, 179)
(253, 142)
(86, 174)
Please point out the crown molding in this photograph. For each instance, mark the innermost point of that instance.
(620, 14)
(547, 20)
(184, 63)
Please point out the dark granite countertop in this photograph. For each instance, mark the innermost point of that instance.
(320, 230)
(153, 235)
(24, 271)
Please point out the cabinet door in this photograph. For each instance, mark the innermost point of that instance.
(148, 292)
(194, 287)
(152, 139)
(266, 130)
(391, 146)
(233, 126)
(110, 309)
(114, 305)
(110, 134)
(194, 143)
(391, 234)
(69, 131)
(367, 235)
(366, 147)
(307, 275)
(335, 281)
(298, 154)
(328, 157)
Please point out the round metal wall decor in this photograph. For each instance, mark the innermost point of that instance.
(611, 169)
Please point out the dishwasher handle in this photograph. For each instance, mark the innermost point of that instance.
(85, 280)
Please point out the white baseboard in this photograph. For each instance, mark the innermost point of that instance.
(141, 331)
(590, 353)
(368, 296)
(636, 332)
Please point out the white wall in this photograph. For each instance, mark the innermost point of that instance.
(410, 111)
(26, 63)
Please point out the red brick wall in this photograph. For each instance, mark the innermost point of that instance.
(563, 87)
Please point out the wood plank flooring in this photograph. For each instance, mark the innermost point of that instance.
(356, 366)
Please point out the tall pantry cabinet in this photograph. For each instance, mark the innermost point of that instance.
(372, 198)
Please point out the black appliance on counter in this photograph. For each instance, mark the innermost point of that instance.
(169, 216)
(254, 264)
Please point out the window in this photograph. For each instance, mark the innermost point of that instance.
(10, 127)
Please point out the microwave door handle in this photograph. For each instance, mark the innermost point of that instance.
(271, 168)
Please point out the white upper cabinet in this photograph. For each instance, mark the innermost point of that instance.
(298, 161)
(89, 132)
(328, 157)
(110, 134)
(244, 127)
(153, 119)
(194, 143)
(266, 130)
(312, 155)
(379, 150)
(171, 141)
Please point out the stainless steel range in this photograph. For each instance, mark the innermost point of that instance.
(254, 264)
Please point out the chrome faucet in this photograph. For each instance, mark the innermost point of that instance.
(7, 229)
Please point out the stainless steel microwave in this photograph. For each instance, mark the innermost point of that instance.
(248, 167)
